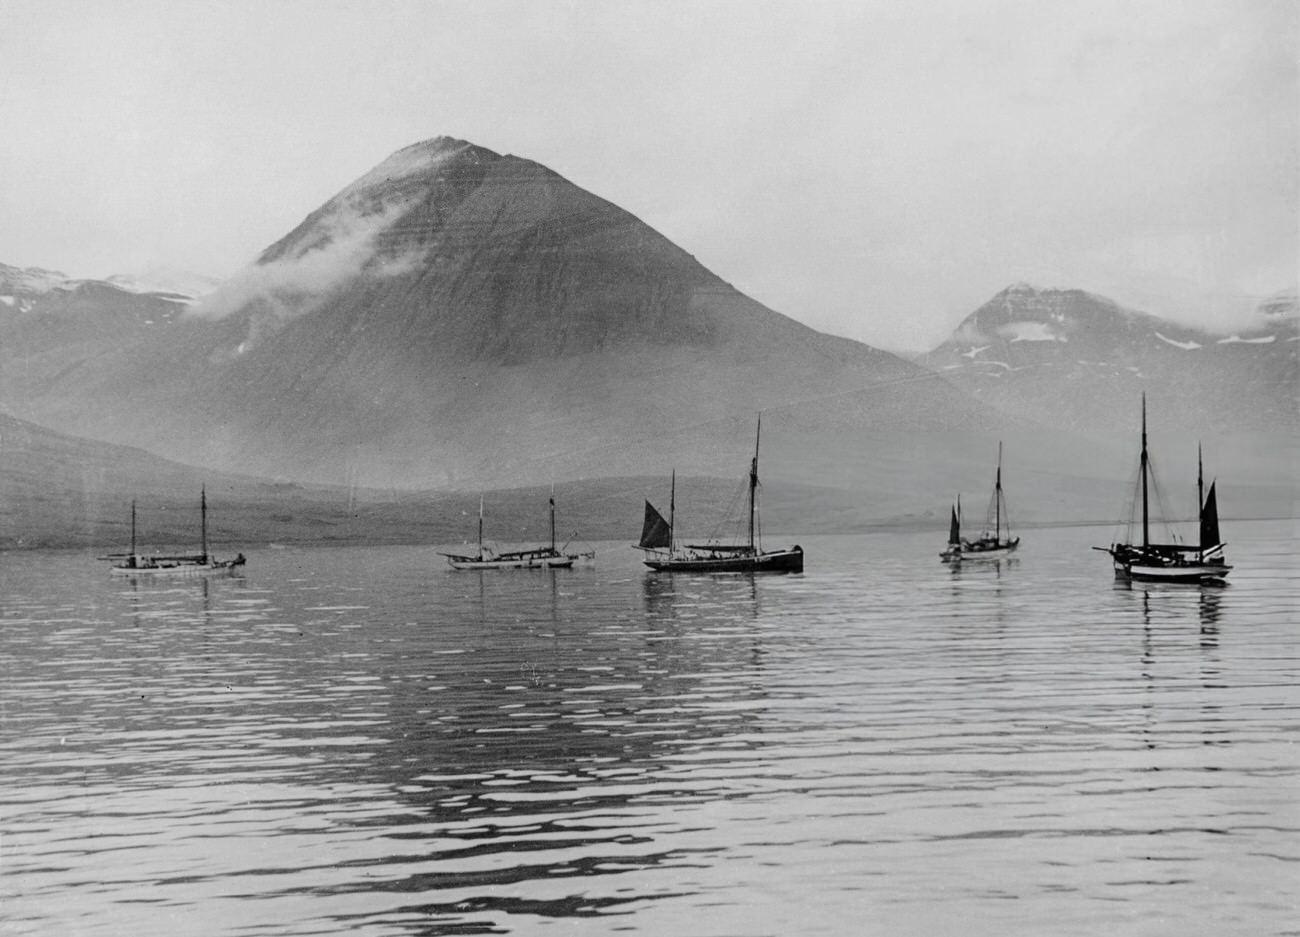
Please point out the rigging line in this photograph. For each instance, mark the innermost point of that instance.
(730, 519)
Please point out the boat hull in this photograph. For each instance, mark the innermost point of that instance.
(975, 556)
(177, 570)
(1000, 552)
(1190, 574)
(777, 561)
(526, 561)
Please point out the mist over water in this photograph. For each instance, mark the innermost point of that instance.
(363, 740)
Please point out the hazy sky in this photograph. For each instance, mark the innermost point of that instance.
(873, 169)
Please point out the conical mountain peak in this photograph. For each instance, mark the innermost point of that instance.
(421, 160)
(451, 246)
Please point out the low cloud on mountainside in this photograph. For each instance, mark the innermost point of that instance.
(292, 285)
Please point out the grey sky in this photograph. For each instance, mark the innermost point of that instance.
(874, 169)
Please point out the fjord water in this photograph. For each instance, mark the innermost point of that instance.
(361, 740)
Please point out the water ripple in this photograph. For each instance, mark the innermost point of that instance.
(361, 740)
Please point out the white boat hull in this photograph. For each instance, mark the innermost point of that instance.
(1191, 573)
(177, 571)
(549, 562)
(953, 555)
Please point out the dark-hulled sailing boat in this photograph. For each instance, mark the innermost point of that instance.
(1147, 561)
(991, 544)
(664, 555)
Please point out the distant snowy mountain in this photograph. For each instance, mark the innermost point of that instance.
(45, 315)
(1074, 358)
(172, 282)
(27, 281)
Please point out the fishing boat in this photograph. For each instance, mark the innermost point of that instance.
(991, 544)
(158, 565)
(663, 554)
(1171, 561)
(542, 557)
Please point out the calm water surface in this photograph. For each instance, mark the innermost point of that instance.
(361, 740)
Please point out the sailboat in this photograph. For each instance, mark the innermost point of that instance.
(952, 553)
(663, 554)
(991, 544)
(542, 557)
(1146, 561)
(174, 565)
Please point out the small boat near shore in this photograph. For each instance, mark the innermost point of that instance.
(1172, 562)
(663, 554)
(174, 565)
(541, 557)
(991, 544)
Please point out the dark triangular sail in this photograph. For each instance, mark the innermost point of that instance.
(1210, 521)
(656, 533)
(954, 528)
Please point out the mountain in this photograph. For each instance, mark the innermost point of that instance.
(1081, 361)
(457, 318)
(43, 310)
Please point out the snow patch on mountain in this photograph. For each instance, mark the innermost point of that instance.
(31, 279)
(1025, 331)
(1186, 346)
(1280, 307)
(1262, 340)
(166, 281)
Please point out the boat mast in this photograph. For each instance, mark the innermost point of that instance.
(203, 519)
(753, 480)
(133, 531)
(997, 498)
(672, 510)
(552, 518)
(1200, 485)
(1200, 502)
(480, 527)
(1146, 518)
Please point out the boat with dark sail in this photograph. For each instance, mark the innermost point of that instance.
(952, 552)
(995, 541)
(664, 554)
(1170, 561)
(177, 565)
(541, 557)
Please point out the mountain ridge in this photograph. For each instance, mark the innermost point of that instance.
(1080, 358)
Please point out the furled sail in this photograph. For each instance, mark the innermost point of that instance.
(656, 533)
(1210, 521)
